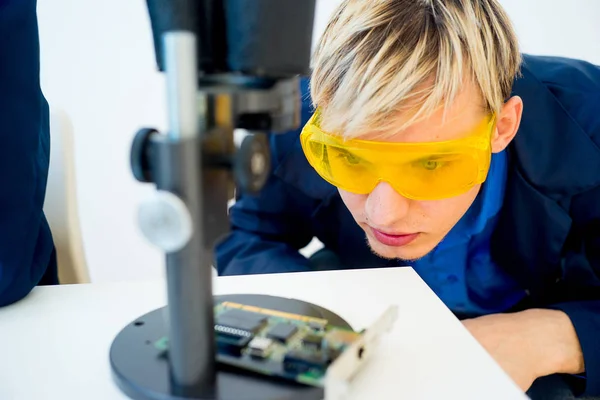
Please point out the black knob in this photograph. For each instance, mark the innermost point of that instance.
(253, 163)
(140, 157)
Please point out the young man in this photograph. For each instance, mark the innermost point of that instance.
(27, 254)
(436, 144)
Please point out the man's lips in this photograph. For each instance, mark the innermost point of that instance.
(393, 239)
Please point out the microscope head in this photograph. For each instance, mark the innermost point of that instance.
(250, 55)
(268, 39)
(243, 45)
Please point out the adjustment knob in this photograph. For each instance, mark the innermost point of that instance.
(165, 221)
(140, 156)
(253, 162)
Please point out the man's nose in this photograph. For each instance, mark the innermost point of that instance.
(385, 207)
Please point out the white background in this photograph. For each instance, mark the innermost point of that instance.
(98, 66)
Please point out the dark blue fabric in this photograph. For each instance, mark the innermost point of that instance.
(546, 237)
(466, 249)
(556, 387)
(26, 248)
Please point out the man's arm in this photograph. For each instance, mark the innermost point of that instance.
(25, 241)
(268, 229)
(563, 338)
(583, 260)
(530, 344)
(267, 232)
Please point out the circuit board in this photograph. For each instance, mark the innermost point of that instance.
(289, 346)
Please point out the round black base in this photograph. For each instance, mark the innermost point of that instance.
(142, 374)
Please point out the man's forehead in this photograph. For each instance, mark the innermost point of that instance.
(449, 123)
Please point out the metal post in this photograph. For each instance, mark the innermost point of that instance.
(181, 67)
(189, 278)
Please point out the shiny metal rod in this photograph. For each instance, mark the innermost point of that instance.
(181, 67)
(189, 278)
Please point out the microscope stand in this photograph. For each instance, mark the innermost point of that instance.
(143, 374)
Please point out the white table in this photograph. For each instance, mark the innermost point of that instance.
(55, 343)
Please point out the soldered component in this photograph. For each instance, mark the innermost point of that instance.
(300, 361)
(232, 345)
(260, 347)
(317, 326)
(229, 331)
(312, 341)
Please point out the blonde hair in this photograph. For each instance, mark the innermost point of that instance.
(378, 58)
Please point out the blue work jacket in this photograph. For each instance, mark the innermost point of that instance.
(548, 232)
(27, 254)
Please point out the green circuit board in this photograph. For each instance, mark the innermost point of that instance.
(288, 346)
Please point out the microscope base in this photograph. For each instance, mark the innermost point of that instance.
(142, 374)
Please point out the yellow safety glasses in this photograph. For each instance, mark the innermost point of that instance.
(418, 171)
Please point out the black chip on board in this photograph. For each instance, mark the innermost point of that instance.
(282, 332)
(241, 320)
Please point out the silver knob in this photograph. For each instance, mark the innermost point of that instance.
(165, 221)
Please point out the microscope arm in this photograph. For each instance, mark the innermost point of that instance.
(229, 64)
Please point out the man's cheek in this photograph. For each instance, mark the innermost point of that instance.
(354, 202)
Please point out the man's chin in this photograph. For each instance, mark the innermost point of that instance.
(408, 253)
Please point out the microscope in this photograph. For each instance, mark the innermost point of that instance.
(232, 69)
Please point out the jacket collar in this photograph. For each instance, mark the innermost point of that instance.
(550, 145)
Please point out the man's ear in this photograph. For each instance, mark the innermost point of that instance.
(507, 123)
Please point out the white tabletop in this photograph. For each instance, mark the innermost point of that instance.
(55, 343)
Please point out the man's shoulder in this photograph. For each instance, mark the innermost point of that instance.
(573, 84)
(557, 148)
(574, 73)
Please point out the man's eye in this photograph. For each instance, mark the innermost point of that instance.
(431, 165)
(349, 157)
